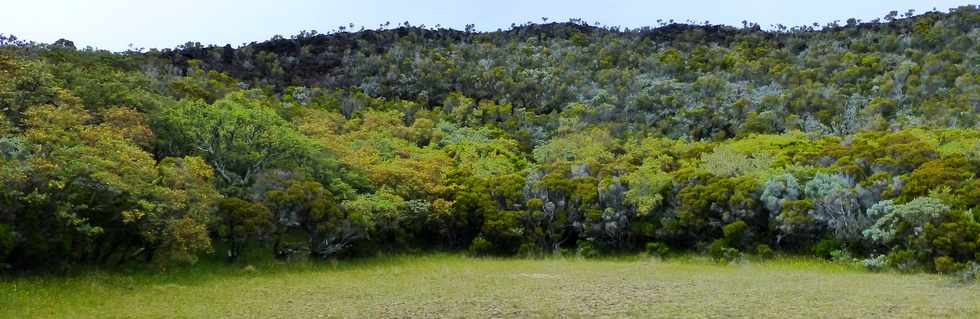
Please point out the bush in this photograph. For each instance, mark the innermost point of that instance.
(588, 249)
(956, 236)
(826, 247)
(945, 265)
(657, 249)
(794, 226)
(764, 251)
(721, 253)
(502, 232)
(736, 233)
(480, 246)
(778, 190)
(841, 255)
(950, 171)
(836, 205)
(727, 162)
(875, 263)
(970, 273)
(904, 260)
(901, 223)
(929, 230)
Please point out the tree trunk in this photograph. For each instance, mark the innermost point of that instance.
(315, 239)
(235, 250)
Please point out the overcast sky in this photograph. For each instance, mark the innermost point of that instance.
(114, 24)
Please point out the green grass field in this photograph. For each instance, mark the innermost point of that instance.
(457, 286)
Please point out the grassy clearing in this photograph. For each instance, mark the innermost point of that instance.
(458, 286)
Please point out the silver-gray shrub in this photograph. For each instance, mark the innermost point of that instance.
(779, 189)
(836, 206)
(910, 217)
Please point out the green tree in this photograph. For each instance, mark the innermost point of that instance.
(239, 221)
(237, 135)
(309, 206)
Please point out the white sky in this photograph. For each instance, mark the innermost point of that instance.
(114, 24)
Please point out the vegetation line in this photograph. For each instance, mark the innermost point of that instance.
(856, 143)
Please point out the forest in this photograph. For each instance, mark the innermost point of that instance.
(854, 141)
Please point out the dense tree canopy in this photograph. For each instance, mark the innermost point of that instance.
(848, 140)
